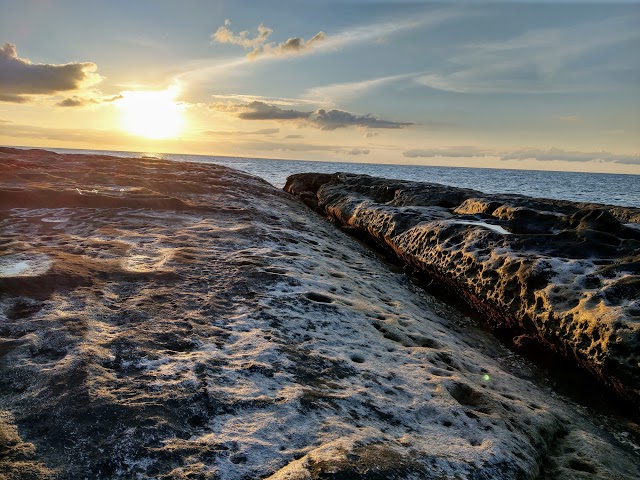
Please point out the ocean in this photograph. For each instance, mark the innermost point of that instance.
(612, 189)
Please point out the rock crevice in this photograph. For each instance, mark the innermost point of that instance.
(564, 273)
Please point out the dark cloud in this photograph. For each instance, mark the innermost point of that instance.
(323, 119)
(14, 98)
(19, 77)
(262, 111)
(294, 136)
(76, 102)
(332, 119)
(292, 46)
(258, 45)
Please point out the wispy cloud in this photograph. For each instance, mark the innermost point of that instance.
(545, 60)
(464, 151)
(372, 33)
(260, 49)
(340, 91)
(262, 131)
(234, 99)
(570, 156)
(19, 77)
(551, 154)
(275, 146)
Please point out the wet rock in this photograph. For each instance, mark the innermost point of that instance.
(230, 333)
(560, 272)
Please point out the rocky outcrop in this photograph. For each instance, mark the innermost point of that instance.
(164, 320)
(565, 274)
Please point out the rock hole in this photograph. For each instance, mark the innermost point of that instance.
(581, 466)
(318, 297)
(465, 395)
(357, 358)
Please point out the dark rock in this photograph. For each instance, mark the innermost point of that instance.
(563, 273)
(215, 327)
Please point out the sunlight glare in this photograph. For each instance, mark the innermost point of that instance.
(152, 114)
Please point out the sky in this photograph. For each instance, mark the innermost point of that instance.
(529, 85)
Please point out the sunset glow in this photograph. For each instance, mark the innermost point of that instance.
(152, 114)
(507, 85)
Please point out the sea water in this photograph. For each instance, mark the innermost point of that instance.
(612, 189)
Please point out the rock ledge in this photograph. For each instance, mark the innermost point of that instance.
(565, 274)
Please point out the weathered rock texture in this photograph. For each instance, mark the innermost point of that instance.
(165, 320)
(563, 273)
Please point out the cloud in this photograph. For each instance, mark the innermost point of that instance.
(20, 77)
(262, 131)
(570, 156)
(258, 45)
(63, 134)
(321, 118)
(263, 111)
(76, 102)
(454, 152)
(290, 147)
(373, 33)
(370, 134)
(339, 91)
(14, 98)
(584, 57)
(196, 71)
(225, 35)
(551, 154)
(234, 99)
(294, 136)
(266, 145)
(333, 119)
(357, 151)
(569, 118)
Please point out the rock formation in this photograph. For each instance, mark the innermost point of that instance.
(165, 320)
(563, 273)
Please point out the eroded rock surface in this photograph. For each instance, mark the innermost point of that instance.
(165, 320)
(566, 274)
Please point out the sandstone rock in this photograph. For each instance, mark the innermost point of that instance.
(178, 320)
(565, 273)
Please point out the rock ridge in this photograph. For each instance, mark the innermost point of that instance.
(566, 274)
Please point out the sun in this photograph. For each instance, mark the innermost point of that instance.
(152, 114)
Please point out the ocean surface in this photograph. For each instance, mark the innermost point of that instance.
(612, 189)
